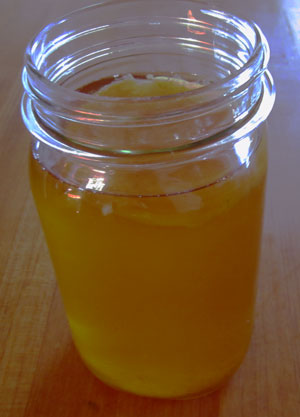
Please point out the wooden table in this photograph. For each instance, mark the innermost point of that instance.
(41, 374)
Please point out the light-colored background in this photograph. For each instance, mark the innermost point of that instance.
(41, 375)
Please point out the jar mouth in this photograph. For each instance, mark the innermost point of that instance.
(255, 64)
(59, 60)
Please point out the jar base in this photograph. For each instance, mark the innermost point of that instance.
(189, 396)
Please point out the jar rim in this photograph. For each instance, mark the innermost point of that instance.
(39, 87)
(232, 82)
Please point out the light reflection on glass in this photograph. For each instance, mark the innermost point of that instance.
(242, 149)
(75, 196)
(53, 45)
(96, 184)
(189, 28)
(87, 119)
(99, 170)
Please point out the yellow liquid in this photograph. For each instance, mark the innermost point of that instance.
(159, 291)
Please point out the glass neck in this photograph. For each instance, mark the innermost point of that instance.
(226, 55)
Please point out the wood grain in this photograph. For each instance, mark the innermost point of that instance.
(41, 374)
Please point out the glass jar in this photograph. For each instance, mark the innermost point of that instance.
(152, 206)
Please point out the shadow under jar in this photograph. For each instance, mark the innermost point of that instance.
(152, 206)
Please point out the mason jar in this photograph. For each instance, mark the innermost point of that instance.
(152, 203)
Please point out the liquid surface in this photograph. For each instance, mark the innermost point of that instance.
(159, 291)
(138, 86)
